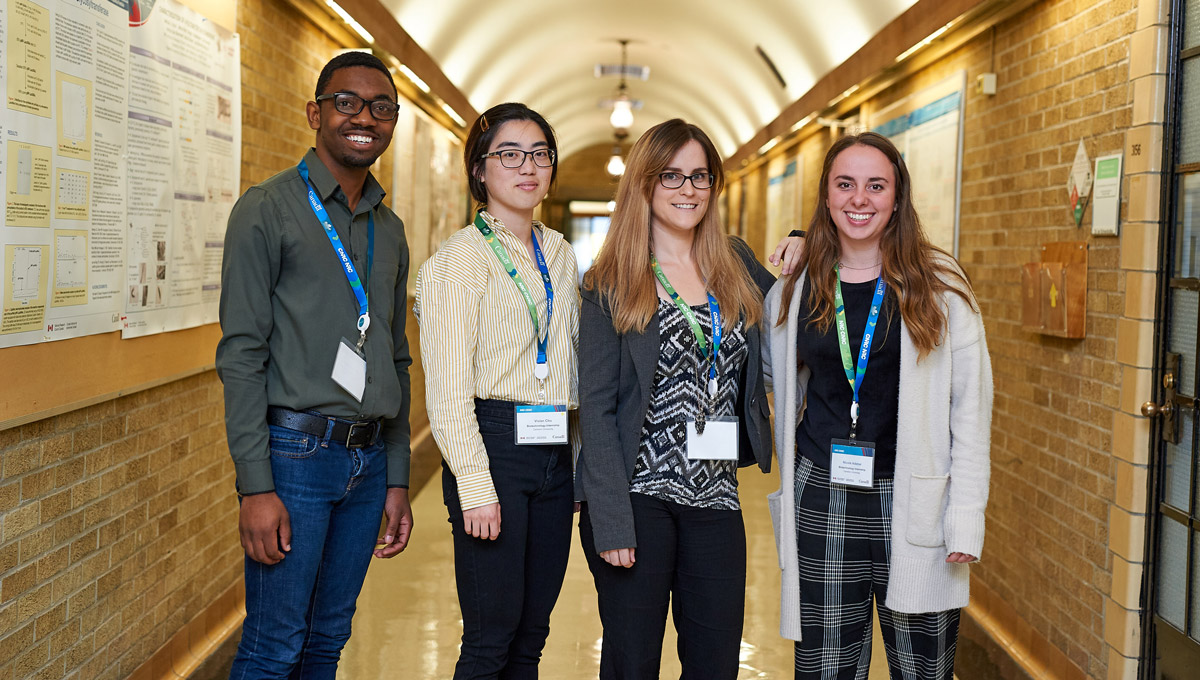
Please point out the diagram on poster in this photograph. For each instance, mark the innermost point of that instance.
(71, 195)
(28, 191)
(70, 268)
(25, 296)
(74, 117)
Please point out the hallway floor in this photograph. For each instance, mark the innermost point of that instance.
(408, 626)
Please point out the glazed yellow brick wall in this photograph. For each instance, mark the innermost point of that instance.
(1063, 76)
(118, 522)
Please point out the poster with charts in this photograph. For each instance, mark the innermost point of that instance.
(184, 129)
(927, 127)
(783, 199)
(64, 68)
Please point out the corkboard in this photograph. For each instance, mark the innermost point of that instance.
(50, 378)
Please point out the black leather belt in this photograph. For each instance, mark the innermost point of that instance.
(354, 434)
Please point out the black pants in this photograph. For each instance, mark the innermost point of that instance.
(691, 558)
(507, 587)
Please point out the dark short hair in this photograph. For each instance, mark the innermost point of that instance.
(483, 131)
(350, 60)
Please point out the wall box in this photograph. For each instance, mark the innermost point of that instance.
(1054, 291)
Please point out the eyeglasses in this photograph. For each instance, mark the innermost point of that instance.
(674, 180)
(349, 104)
(515, 158)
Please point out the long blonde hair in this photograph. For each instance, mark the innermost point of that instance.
(918, 271)
(622, 273)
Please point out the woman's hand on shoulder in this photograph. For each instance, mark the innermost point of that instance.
(787, 253)
(621, 557)
(960, 558)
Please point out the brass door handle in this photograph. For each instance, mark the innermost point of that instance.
(1151, 409)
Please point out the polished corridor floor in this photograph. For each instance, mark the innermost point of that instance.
(408, 626)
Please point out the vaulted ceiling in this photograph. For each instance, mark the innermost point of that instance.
(702, 55)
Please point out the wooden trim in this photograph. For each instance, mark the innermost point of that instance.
(874, 67)
(390, 36)
(1033, 653)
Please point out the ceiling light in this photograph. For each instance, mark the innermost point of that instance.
(345, 16)
(616, 164)
(622, 113)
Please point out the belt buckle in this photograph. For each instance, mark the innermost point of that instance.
(356, 427)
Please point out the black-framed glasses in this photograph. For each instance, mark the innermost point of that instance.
(515, 158)
(674, 180)
(350, 104)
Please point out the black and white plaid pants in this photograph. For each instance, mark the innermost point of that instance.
(844, 545)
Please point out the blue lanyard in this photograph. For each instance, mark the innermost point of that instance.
(541, 370)
(360, 293)
(855, 374)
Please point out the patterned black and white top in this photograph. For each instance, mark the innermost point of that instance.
(663, 469)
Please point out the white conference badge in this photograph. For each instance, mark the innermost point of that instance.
(350, 369)
(852, 463)
(719, 441)
(541, 423)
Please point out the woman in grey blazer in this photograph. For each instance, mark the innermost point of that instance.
(669, 409)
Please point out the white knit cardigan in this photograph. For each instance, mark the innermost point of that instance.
(942, 465)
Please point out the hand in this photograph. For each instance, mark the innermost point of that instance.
(621, 557)
(399, 524)
(578, 505)
(483, 522)
(960, 558)
(264, 528)
(788, 252)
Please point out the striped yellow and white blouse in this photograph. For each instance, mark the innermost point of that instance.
(477, 340)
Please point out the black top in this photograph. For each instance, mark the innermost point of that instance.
(827, 415)
(663, 469)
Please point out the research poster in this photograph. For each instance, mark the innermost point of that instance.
(64, 75)
(927, 128)
(184, 129)
(119, 161)
(783, 199)
(428, 189)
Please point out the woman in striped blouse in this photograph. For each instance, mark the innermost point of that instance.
(672, 404)
(499, 315)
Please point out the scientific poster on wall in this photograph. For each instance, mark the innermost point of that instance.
(428, 190)
(64, 72)
(927, 127)
(783, 199)
(184, 130)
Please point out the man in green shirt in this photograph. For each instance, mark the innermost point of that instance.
(315, 362)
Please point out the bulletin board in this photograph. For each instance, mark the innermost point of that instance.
(44, 379)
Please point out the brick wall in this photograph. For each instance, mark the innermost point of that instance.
(1063, 76)
(118, 522)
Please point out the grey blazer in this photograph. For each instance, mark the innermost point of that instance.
(616, 378)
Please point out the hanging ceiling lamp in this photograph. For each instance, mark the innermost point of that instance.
(616, 164)
(622, 113)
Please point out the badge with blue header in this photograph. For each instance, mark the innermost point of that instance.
(852, 462)
(541, 424)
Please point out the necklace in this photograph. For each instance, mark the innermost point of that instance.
(843, 265)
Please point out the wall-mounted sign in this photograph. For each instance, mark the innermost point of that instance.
(1106, 205)
(1079, 183)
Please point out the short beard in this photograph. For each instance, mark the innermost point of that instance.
(352, 161)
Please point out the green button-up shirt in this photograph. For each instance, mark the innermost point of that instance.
(286, 304)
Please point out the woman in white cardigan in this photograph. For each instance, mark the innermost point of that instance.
(884, 472)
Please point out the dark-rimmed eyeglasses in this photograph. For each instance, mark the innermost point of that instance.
(674, 180)
(515, 158)
(350, 104)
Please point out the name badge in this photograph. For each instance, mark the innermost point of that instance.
(719, 441)
(541, 423)
(350, 369)
(852, 463)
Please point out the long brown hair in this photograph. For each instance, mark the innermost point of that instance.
(918, 271)
(622, 273)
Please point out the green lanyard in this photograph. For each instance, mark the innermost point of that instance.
(540, 369)
(713, 308)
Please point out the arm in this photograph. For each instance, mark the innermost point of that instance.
(396, 433)
(970, 430)
(788, 251)
(602, 474)
(448, 297)
(249, 272)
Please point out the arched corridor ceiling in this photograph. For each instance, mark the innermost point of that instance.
(701, 53)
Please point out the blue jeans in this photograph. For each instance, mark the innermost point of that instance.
(507, 587)
(298, 611)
